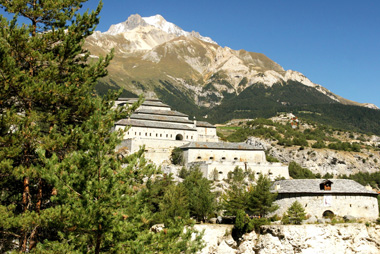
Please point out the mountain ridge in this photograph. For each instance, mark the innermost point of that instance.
(158, 58)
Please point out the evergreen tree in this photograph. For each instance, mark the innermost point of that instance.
(174, 204)
(298, 172)
(295, 214)
(260, 198)
(177, 156)
(235, 199)
(255, 200)
(63, 189)
(202, 201)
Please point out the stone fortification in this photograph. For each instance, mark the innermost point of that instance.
(341, 197)
(158, 128)
(217, 159)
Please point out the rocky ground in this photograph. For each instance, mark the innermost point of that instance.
(324, 160)
(308, 239)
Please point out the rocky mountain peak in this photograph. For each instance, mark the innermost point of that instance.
(131, 23)
(192, 63)
(158, 22)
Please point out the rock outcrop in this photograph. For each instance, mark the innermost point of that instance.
(313, 238)
(323, 161)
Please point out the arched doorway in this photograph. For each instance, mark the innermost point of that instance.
(328, 214)
(179, 137)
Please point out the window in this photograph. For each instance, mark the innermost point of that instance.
(211, 158)
(166, 135)
(146, 134)
(236, 158)
(199, 157)
(139, 133)
(178, 137)
(156, 135)
(160, 135)
(223, 158)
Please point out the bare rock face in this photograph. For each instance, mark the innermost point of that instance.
(343, 238)
(218, 238)
(323, 160)
(312, 238)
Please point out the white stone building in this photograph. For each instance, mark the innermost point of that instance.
(320, 197)
(224, 157)
(160, 129)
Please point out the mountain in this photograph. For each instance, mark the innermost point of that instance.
(195, 75)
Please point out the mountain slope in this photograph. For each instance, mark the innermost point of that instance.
(190, 71)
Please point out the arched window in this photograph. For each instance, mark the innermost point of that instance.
(178, 137)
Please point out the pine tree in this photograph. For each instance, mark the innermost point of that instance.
(63, 187)
(202, 201)
(235, 199)
(255, 200)
(260, 198)
(295, 214)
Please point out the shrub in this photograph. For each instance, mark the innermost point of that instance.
(271, 158)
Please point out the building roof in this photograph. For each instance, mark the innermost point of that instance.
(219, 146)
(161, 118)
(160, 112)
(147, 102)
(151, 124)
(205, 124)
(312, 186)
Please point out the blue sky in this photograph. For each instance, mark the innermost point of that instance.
(335, 43)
